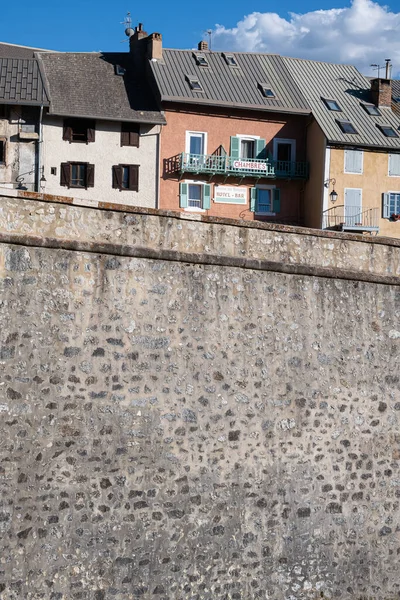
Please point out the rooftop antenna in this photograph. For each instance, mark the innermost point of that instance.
(209, 33)
(388, 68)
(128, 26)
(377, 68)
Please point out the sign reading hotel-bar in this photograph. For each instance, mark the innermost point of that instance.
(251, 165)
(230, 195)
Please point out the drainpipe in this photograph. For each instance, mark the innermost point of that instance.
(39, 155)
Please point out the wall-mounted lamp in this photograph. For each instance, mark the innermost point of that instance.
(333, 195)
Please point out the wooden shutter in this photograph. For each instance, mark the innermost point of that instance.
(276, 200)
(394, 165)
(65, 174)
(353, 161)
(117, 177)
(385, 206)
(253, 199)
(124, 136)
(91, 132)
(183, 195)
(134, 178)
(235, 147)
(89, 175)
(261, 150)
(134, 135)
(67, 131)
(207, 196)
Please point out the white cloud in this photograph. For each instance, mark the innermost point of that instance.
(362, 34)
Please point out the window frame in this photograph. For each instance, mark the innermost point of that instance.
(248, 138)
(328, 100)
(118, 177)
(201, 59)
(271, 189)
(189, 134)
(369, 107)
(263, 87)
(195, 209)
(193, 80)
(344, 162)
(130, 134)
(228, 56)
(68, 130)
(343, 122)
(389, 155)
(398, 194)
(277, 141)
(89, 175)
(382, 127)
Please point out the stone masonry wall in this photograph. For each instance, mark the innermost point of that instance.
(175, 431)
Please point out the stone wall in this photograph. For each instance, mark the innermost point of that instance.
(175, 431)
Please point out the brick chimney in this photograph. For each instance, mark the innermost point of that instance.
(138, 35)
(381, 92)
(154, 46)
(202, 46)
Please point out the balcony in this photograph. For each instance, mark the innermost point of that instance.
(227, 166)
(351, 218)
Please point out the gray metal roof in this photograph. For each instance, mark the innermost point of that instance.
(86, 85)
(21, 82)
(226, 85)
(350, 89)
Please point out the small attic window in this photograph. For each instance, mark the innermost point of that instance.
(201, 59)
(230, 60)
(266, 90)
(332, 104)
(119, 70)
(396, 99)
(347, 127)
(194, 84)
(388, 131)
(371, 110)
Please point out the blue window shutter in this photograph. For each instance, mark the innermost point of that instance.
(276, 203)
(385, 206)
(207, 196)
(260, 148)
(183, 195)
(394, 165)
(253, 199)
(235, 147)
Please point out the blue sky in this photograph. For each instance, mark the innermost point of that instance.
(360, 32)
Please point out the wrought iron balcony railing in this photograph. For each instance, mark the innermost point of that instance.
(351, 218)
(223, 164)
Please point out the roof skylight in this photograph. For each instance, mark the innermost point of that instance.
(347, 127)
(201, 59)
(371, 110)
(230, 60)
(332, 104)
(388, 131)
(266, 90)
(194, 83)
(119, 70)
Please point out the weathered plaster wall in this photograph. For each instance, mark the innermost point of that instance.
(174, 430)
(21, 162)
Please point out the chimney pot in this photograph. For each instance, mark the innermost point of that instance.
(202, 46)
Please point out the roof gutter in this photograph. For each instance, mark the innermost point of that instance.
(255, 107)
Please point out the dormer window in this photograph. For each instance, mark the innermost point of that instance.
(230, 60)
(347, 127)
(266, 90)
(332, 104)
(194, 83)
(201, 59)
(388, 131)
(371, 110)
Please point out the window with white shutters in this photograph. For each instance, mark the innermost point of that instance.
(394, 165)
(353, 161)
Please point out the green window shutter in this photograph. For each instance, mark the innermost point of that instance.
(276, 202)
(385, 206)
(207, 196)
(261, 150)
(253, 199)
(183, 195)
(235, 147)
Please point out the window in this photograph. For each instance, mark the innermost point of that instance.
(125, 177)
(332, 104)
(346, 127)
(353, 161)
(196, 142)
(388, 131)
(371, 109)
(194, 83)
(353, 207)
(230, 60)
(247, 147)
(201, 59)
(79, 130)
(2, 152)
(265, 200)
(391, 204)
(77, 175)
(394, 165)
(266, 90)
(195, 195)
(119, 70)
(130, 134)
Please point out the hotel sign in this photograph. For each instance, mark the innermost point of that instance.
(230, 195)
(251, 165)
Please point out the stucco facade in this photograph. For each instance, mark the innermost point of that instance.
(373, 181)
(218, 126)
(105, 152)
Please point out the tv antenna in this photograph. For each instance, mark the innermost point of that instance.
(209, 33)
(128, 25)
